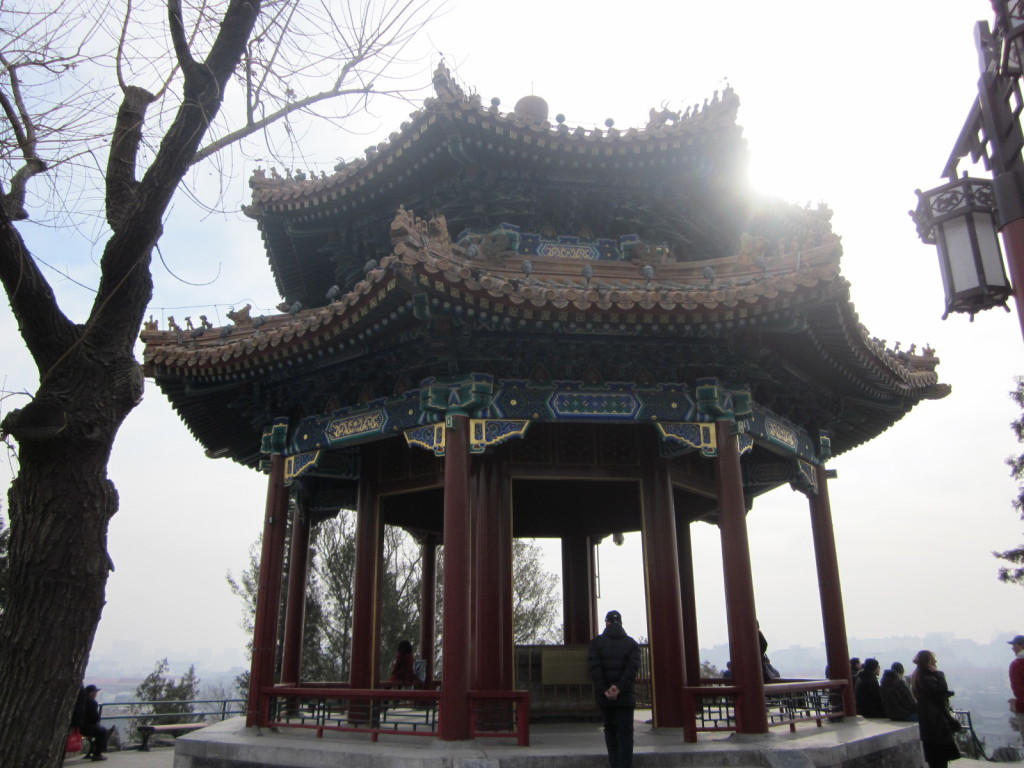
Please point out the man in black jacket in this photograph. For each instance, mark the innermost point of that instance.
(614, 659)
(91, 724)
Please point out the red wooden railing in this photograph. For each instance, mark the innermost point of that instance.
(335, 707)
(713, 706)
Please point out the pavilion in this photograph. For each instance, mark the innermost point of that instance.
(496, 326)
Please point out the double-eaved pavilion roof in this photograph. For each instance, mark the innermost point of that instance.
(550, 260)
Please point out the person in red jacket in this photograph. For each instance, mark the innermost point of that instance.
(1017, 681)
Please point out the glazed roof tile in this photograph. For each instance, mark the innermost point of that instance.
(666, 131)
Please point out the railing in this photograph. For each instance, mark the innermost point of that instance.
(215, 711)
(971, 736)
(129, 713)
(713, 706)
(326, 707)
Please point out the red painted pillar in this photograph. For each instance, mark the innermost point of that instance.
(837, 652)
(268, 592)
(668, 675)
(494, 651)
(428, 601)
(1013, 242)
(578, 589)
(501, 493)
(369, 540)
(458, 570)
(744, 646)
(295, 606)
(687, 589)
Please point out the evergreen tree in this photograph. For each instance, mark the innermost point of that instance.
(1014, 572)
(169, 699)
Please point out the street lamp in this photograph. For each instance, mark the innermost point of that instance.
(963, 215)
(959, 218)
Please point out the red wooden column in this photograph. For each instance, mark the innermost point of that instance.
(578, 590)
(458, 570)
(369, 540)
(268, 592)
(744, 646)
(494, 649)
(661, 571)
(428, 601)
(295, 606)
(837, 652)
(687, 589)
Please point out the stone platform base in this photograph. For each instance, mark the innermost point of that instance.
(856, 743)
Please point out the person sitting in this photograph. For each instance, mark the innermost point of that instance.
(867, 692)
(897, 699)
(403, 670)
(91, 723)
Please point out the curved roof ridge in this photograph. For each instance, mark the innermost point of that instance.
(452, 103)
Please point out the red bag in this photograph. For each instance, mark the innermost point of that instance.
(74, 742)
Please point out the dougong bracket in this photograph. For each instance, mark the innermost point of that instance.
(680, 437)
(485, 433)
(430, 437)
(275, 437)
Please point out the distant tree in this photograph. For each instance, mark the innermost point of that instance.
(536, 607)
(1014, 572)
(707, 669)
(169, 699)
(330, 597)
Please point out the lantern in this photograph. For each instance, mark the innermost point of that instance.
(959, 218)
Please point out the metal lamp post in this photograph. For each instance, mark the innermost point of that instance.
(962, 216)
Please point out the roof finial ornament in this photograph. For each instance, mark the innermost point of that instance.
(531, 109)
(444, 84)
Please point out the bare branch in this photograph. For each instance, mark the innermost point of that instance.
(44, 328)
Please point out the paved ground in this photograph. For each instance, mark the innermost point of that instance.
(157, 757)
(163, 756)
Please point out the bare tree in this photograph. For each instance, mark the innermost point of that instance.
(107, 106)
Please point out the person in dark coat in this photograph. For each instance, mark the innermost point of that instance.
(936, 723)
(896, 696)
(614, 660)
(91, 724)
(867, 692)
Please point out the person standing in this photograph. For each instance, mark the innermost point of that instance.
(91, 724)
(936, 724)
(1017, 682)
(614, 660)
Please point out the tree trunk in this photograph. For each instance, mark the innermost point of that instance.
(60, 505)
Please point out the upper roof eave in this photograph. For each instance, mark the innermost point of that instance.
(452, 111)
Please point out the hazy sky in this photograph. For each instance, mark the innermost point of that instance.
(855, 108)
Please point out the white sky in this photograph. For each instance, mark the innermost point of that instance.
(855, 107)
